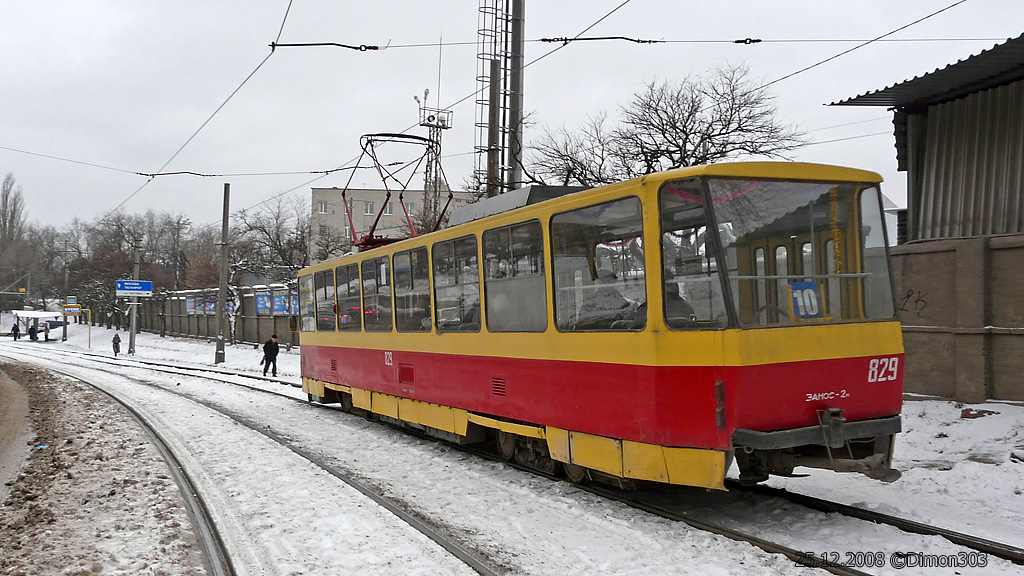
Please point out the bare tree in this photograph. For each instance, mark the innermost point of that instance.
(330, 243)
(697, 121)
(12, 211)
(586, 157)
(275, 239)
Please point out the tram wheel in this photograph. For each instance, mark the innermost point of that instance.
(576, 474)
(506, 445)
(346, 401)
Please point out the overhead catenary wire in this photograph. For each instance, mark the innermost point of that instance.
(457, 43)
(456, 103)
(863, 44)
(323, 173)
(887, 132)
(215, 112)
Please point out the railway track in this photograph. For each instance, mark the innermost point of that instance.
(635, 500)
(219, 562)
(997, 549)
(215, 556)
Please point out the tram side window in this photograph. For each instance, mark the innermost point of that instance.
(307, 310)
(515, 299)
(693, 289)
(457, 285)
(599, 267)
(325, 311)
(349, 310)
(412, 291)
(878, 299)
(376, 294)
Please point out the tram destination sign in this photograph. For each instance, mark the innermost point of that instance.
(134, 288)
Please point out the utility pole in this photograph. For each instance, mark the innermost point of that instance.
(64, 331)
(135, 302)
(493, 127)
(222, 291)
(515, 96)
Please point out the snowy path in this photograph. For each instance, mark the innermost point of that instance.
(529, 524)
(270, 505)
(959, 473)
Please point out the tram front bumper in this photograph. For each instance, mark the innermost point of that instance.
(864, 446)
(834, 432)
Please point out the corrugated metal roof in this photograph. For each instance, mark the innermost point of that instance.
(1002, 64)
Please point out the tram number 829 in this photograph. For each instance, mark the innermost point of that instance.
(883, 369)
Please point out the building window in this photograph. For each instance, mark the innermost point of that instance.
(411, 207)
(348, 231)
(368, 208)
(323, 229)
(387, 209)
(322, 207)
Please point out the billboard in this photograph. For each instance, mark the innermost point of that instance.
(263, 307)
(282, 303)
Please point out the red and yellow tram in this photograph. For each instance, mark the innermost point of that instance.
(653, 329)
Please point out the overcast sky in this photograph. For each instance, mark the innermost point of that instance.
(95, 92)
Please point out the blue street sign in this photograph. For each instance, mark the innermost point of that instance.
(134, 288)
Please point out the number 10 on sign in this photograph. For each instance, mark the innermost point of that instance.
(805, 299)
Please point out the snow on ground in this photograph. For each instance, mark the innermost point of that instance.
(960, 472)
(963, 468)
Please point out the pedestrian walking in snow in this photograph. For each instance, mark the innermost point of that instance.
(270, 349)
(15, 330)
(116, 341)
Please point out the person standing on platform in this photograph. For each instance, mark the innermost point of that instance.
(15, 330)
(270, 349)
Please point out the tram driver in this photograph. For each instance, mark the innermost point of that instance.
(678, 312)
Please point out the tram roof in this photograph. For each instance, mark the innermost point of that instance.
(509, 201)
(782, 170)
(772, 170)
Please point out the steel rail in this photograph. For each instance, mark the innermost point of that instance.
(797, 556)
(997, 549)
(609, 493)
(215, 557)
(478, 564)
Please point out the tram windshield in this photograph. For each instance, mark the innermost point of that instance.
(795, 252)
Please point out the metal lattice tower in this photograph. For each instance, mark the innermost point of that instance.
(499, 95)
(435, 121)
